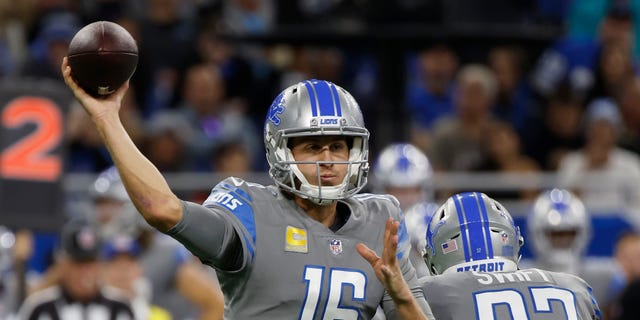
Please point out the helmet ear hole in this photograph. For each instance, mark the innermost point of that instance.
(442, 214)
(433, 270)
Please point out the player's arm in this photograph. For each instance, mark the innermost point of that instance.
(146, 187)
(388, 271)
(201, 290)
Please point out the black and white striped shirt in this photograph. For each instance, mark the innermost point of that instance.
(55, 304)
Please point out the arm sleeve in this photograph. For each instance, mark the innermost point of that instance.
(209, 234)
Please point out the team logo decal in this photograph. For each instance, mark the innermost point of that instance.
(296, 240)
(335, 246)
(277, 107)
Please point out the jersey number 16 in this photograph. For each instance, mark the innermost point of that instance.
(338, 278)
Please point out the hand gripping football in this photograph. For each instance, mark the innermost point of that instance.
(102, 56)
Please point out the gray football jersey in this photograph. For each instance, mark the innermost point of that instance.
(603, 274)
(605, 278)
(160, 263)
(417, 219)
(531, 294)
(291, 266)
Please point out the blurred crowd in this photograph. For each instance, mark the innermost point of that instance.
(202, 84)
(207, 74)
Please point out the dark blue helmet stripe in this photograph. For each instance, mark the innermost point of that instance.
(312, 98)
(403, 163)
(485, 225)
(326, 101)
(336, 99)
(473, 222)
(463, 228)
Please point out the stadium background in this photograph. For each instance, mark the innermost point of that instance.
(371, 48)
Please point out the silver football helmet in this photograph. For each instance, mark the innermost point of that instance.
(560, 229)
(472, 232)
(313, 108)
(113, 212)
(7, 241)
(402, 166)
(108, 186)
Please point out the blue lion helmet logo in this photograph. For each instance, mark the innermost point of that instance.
(276, 108)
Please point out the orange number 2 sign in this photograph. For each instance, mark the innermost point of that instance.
(29, 157)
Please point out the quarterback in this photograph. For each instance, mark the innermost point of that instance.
(288, 250)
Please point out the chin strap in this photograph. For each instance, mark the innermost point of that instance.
(321, 195)
(309, 191)
(321, 202)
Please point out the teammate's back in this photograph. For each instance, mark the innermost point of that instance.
(473, 250)
(532, 294)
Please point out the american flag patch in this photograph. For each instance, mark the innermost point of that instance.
(449, 246)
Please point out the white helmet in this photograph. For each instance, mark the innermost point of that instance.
(472, 232)
(7, 241)
(315, 108)
(108, 186)
(560, 230)
(402, 165)
(114, 219)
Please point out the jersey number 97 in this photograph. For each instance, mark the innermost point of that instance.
(514, 301)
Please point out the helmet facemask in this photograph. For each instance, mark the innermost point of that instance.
(293, 180)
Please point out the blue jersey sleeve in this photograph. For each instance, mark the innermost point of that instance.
(231, 198)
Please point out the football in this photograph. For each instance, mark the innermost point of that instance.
(102, 56)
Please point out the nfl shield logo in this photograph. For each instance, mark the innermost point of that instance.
(504, 237)
(335, 246)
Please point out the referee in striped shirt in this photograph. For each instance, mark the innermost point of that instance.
(79, 294)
